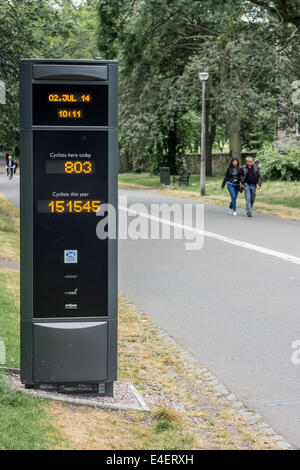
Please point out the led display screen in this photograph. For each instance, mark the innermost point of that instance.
(70, 97)
(76, 105)
(68, 206)
(70, 170)
(70, 167)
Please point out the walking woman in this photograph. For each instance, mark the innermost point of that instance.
(232, 178)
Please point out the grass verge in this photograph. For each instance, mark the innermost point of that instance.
(24, 421)
(277, 198)
(9, 230)
(10, 316)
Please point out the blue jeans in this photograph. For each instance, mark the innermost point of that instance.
(250, 194)
(233, 191)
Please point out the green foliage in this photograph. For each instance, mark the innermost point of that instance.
(24, 28)
(113, 18)
(162, 46)
(284, 10)
(44, 28)
(78, 39)
(279, 165)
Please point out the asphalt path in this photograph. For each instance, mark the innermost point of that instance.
(234, 306)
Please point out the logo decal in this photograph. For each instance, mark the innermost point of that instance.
(70, 256)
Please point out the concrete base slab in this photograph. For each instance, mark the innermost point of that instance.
(126, 397)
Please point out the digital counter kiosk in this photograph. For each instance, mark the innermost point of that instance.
(69, 153)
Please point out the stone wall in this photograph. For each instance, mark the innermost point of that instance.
(220, 162)
(287, 139)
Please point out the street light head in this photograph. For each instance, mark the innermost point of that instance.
(203, 76)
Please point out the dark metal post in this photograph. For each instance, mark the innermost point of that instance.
(203, 77)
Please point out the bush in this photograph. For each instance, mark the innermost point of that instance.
(279, 165)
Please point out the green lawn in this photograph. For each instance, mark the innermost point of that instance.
(285, 193)
(152, 181)
(143, 179)
(24, 423)
(9, 230)
(10, 316)
(277, 193)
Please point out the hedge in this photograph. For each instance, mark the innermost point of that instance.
(279, 165)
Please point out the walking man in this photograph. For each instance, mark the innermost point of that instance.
(250, 178)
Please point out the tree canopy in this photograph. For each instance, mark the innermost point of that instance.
(250, 52)
(43, 28)
(249, 47)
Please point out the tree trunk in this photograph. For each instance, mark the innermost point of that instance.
(196, 146)
(172, 144)
(234, 134)
(123, 165)
(210, 138)
(233, 119)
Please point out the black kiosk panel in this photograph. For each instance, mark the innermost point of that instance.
(69, 165)
(65, 208)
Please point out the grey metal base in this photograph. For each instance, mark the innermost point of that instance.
(109, 389)
(103, 389)
(33, 386)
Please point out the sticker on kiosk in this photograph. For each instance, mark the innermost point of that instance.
(70, 256)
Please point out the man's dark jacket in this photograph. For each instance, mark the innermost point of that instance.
(244, 172)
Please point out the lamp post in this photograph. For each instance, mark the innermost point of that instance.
(2, 93)
(2, 101)
(203, 77)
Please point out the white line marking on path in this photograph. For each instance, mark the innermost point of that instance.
(216, 236)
